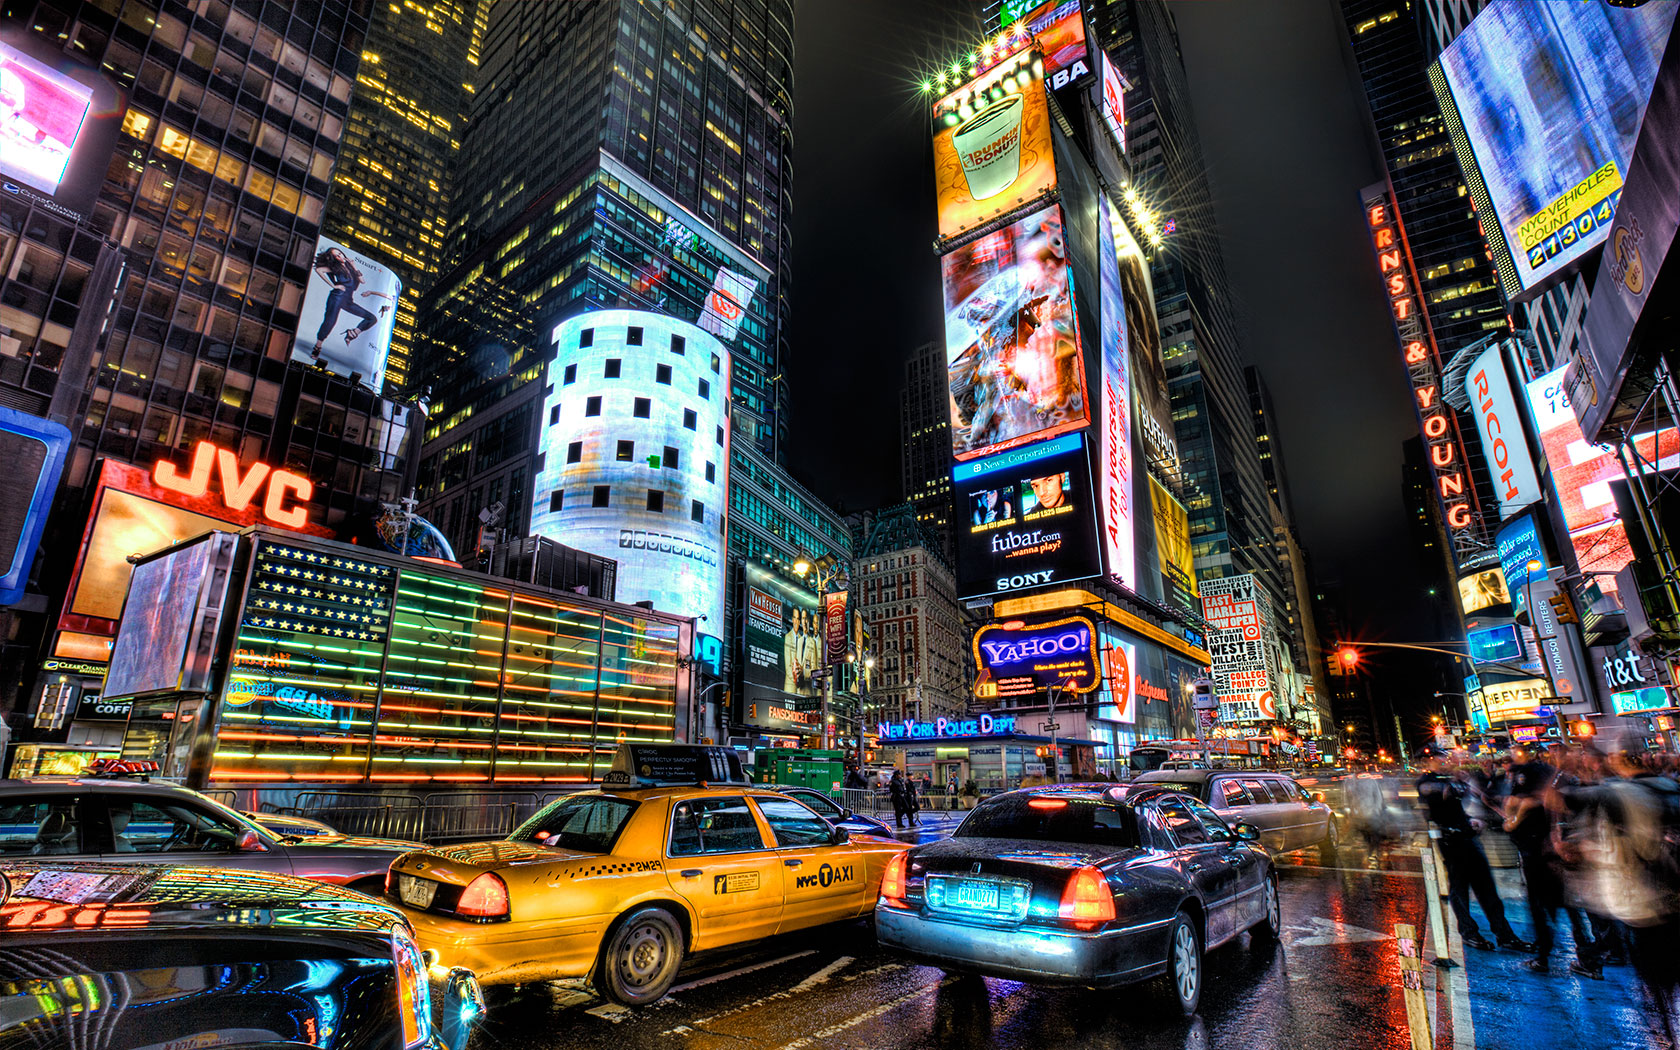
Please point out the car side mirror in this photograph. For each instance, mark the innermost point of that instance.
(846, 814)
(1248, 832)
(840, 837)
(249, 842)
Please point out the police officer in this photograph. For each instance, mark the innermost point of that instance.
(1467, 867)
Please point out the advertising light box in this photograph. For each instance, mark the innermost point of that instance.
(1021, 659)
(1143, 338)
(58, 121)
(1495, 644)
(991, 145)
(1488, 386)
(1236, 611)
(1544, 101)
(1012, 351)
(1057, 29)
(1026, 518)
(349, 312)
(1483, 590)
(781, 650)
(1172, 543)
(1519, 544)
(1115, 458)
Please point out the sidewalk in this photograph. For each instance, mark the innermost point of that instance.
(1511, 1008)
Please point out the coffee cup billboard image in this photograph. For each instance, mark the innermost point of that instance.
(991, 144)
(1012, 357)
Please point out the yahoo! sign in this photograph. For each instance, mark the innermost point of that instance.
(1017, 658)
(946, 728)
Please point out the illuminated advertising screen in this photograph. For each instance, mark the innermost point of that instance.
(1483, 590)
(1114, 460)
(349, 311)
(727, 303)
(1515, 701)
(1236, 611)
(1544, 101)
(635, 456)
(1057, 29)
(1519, 544)
(1500, 644)
(156, 625)
(1581, 476)
(1123, 681)
(1494, 407)
(1015, 658)
(782, 649)
(1012, 352)
(58, 121)
(1143, 337)
(991, 145)
(1026, 519)
(1172, 543)
(1113, 103)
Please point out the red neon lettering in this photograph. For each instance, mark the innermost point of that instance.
(1378, 214)
(1425, 396)
(1458, 516)
(194, 484)
(1385, 238)
(1388, 261)
(1451, 485)
(1402, 308)
(1435, 426)
(283, 504)
(1415, 353)
(1397, 285)
(274, 508)
(1441, 455)
(237, 491)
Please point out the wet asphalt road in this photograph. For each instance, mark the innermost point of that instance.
(1332, 983)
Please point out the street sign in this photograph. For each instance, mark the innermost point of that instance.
(1050, 727)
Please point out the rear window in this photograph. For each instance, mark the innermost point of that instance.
(1175, 785)
(587, 823)
(1053, 819)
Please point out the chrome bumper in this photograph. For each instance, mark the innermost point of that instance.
(1118, 955)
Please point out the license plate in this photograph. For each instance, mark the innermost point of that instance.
(971, 894)
(416, 893)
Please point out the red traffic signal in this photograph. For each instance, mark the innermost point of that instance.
(1582, 729)
(1349, 657)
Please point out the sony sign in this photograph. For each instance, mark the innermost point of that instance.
(1027, 518)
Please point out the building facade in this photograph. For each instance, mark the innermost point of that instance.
(924, 421)
(907, 593)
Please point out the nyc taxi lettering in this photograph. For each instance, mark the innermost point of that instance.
(736, 882)
(825, 876)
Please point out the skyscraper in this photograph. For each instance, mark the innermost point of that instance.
(925, 428)
(621, 153)
(390, 199)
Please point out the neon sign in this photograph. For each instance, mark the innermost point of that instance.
(947, 728)
(1019, 659)
(283, 498)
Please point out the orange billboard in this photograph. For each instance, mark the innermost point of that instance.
(991, 145)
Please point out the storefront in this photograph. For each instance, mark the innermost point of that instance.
(989, 749)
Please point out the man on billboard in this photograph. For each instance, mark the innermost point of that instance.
(1046, 493)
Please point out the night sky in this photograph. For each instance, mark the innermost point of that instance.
(1282, 127)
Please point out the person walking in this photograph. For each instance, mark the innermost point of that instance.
(1530, 822)
(899, 791)
(1466, 864)
(951, 791)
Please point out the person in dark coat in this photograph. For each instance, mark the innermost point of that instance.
(1467, 867)
(899, 790)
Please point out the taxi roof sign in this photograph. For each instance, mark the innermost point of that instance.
(674, 765)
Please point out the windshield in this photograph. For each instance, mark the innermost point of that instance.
(587, 823)
(1052, 818)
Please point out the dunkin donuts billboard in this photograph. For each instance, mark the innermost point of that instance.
(991, 144)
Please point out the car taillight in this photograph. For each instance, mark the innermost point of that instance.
(485, 897)
(414, 994)
(391, 881)
(1087, 901)
(892, 883)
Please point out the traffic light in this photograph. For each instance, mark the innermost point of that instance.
(1563, 608)
(1582, 728)
(1041, 751)
(1349, 658)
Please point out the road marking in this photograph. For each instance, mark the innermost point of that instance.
(1320, 931)
(868, 1015)
(822, 975)
(716, 977)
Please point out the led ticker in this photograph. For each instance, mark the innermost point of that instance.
(1459, 506)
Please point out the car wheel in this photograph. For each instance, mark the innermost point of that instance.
(1270, 926)
(640, 958)
(1184, 964)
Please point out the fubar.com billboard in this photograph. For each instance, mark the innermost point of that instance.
(1026, 518)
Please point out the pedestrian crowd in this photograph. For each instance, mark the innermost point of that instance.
(1598, 837)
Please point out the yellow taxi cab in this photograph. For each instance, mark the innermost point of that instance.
(676, 853)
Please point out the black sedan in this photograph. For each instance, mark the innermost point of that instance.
(1093, 885)
(121, 955)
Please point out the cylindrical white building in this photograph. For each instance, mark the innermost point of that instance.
(633, 460)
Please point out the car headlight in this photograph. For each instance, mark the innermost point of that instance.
(414, 994)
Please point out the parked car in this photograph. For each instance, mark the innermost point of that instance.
(101, 954)
(287, 825)
(1092, 885)
(1288, 818)
(134, 821)
(836, 814)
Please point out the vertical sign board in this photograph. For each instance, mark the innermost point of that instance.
(1234, 607)
(1499, 425)
(834, 626)
(1519, 544)
(1423, 366)
(34, 451)
(1559, 647)
(1118, 496)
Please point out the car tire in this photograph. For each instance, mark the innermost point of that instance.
(1270, 926)
(1184, 965)
(1331, 842)
(640, 957)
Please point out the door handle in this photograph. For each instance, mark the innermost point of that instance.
(691, 873)
(793, 862)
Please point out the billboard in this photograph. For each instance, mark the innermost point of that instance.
(1172, 545)
(1021, 659)
(834, 627)
(727, 303)
(634, 457)
(349, 311)
(1544, 101)
(170, 619)
(1027, 518)
(1519, 544)
(1113, 102)
(1143, 338)
(1483, 590)
(991, 145)
(1057, 29)
(58, 121)
(1115, 458)
(1488, 385)
(34, 450)
(781, 646)
(1013, 364)
(1581, 476)
(1514, 701)
(1235, 609)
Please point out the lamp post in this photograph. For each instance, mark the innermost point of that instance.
(867, 658)
(826, 568)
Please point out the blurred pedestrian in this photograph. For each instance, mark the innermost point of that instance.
(1529, 822)
(900, 793)
(1467, 867)
(951, 792)
(913, 800)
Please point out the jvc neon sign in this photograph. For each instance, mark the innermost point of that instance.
(946, 728)
(284, 492)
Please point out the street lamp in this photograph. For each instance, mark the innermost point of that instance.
(826, 569)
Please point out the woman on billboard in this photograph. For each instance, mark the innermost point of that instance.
(345, 280)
